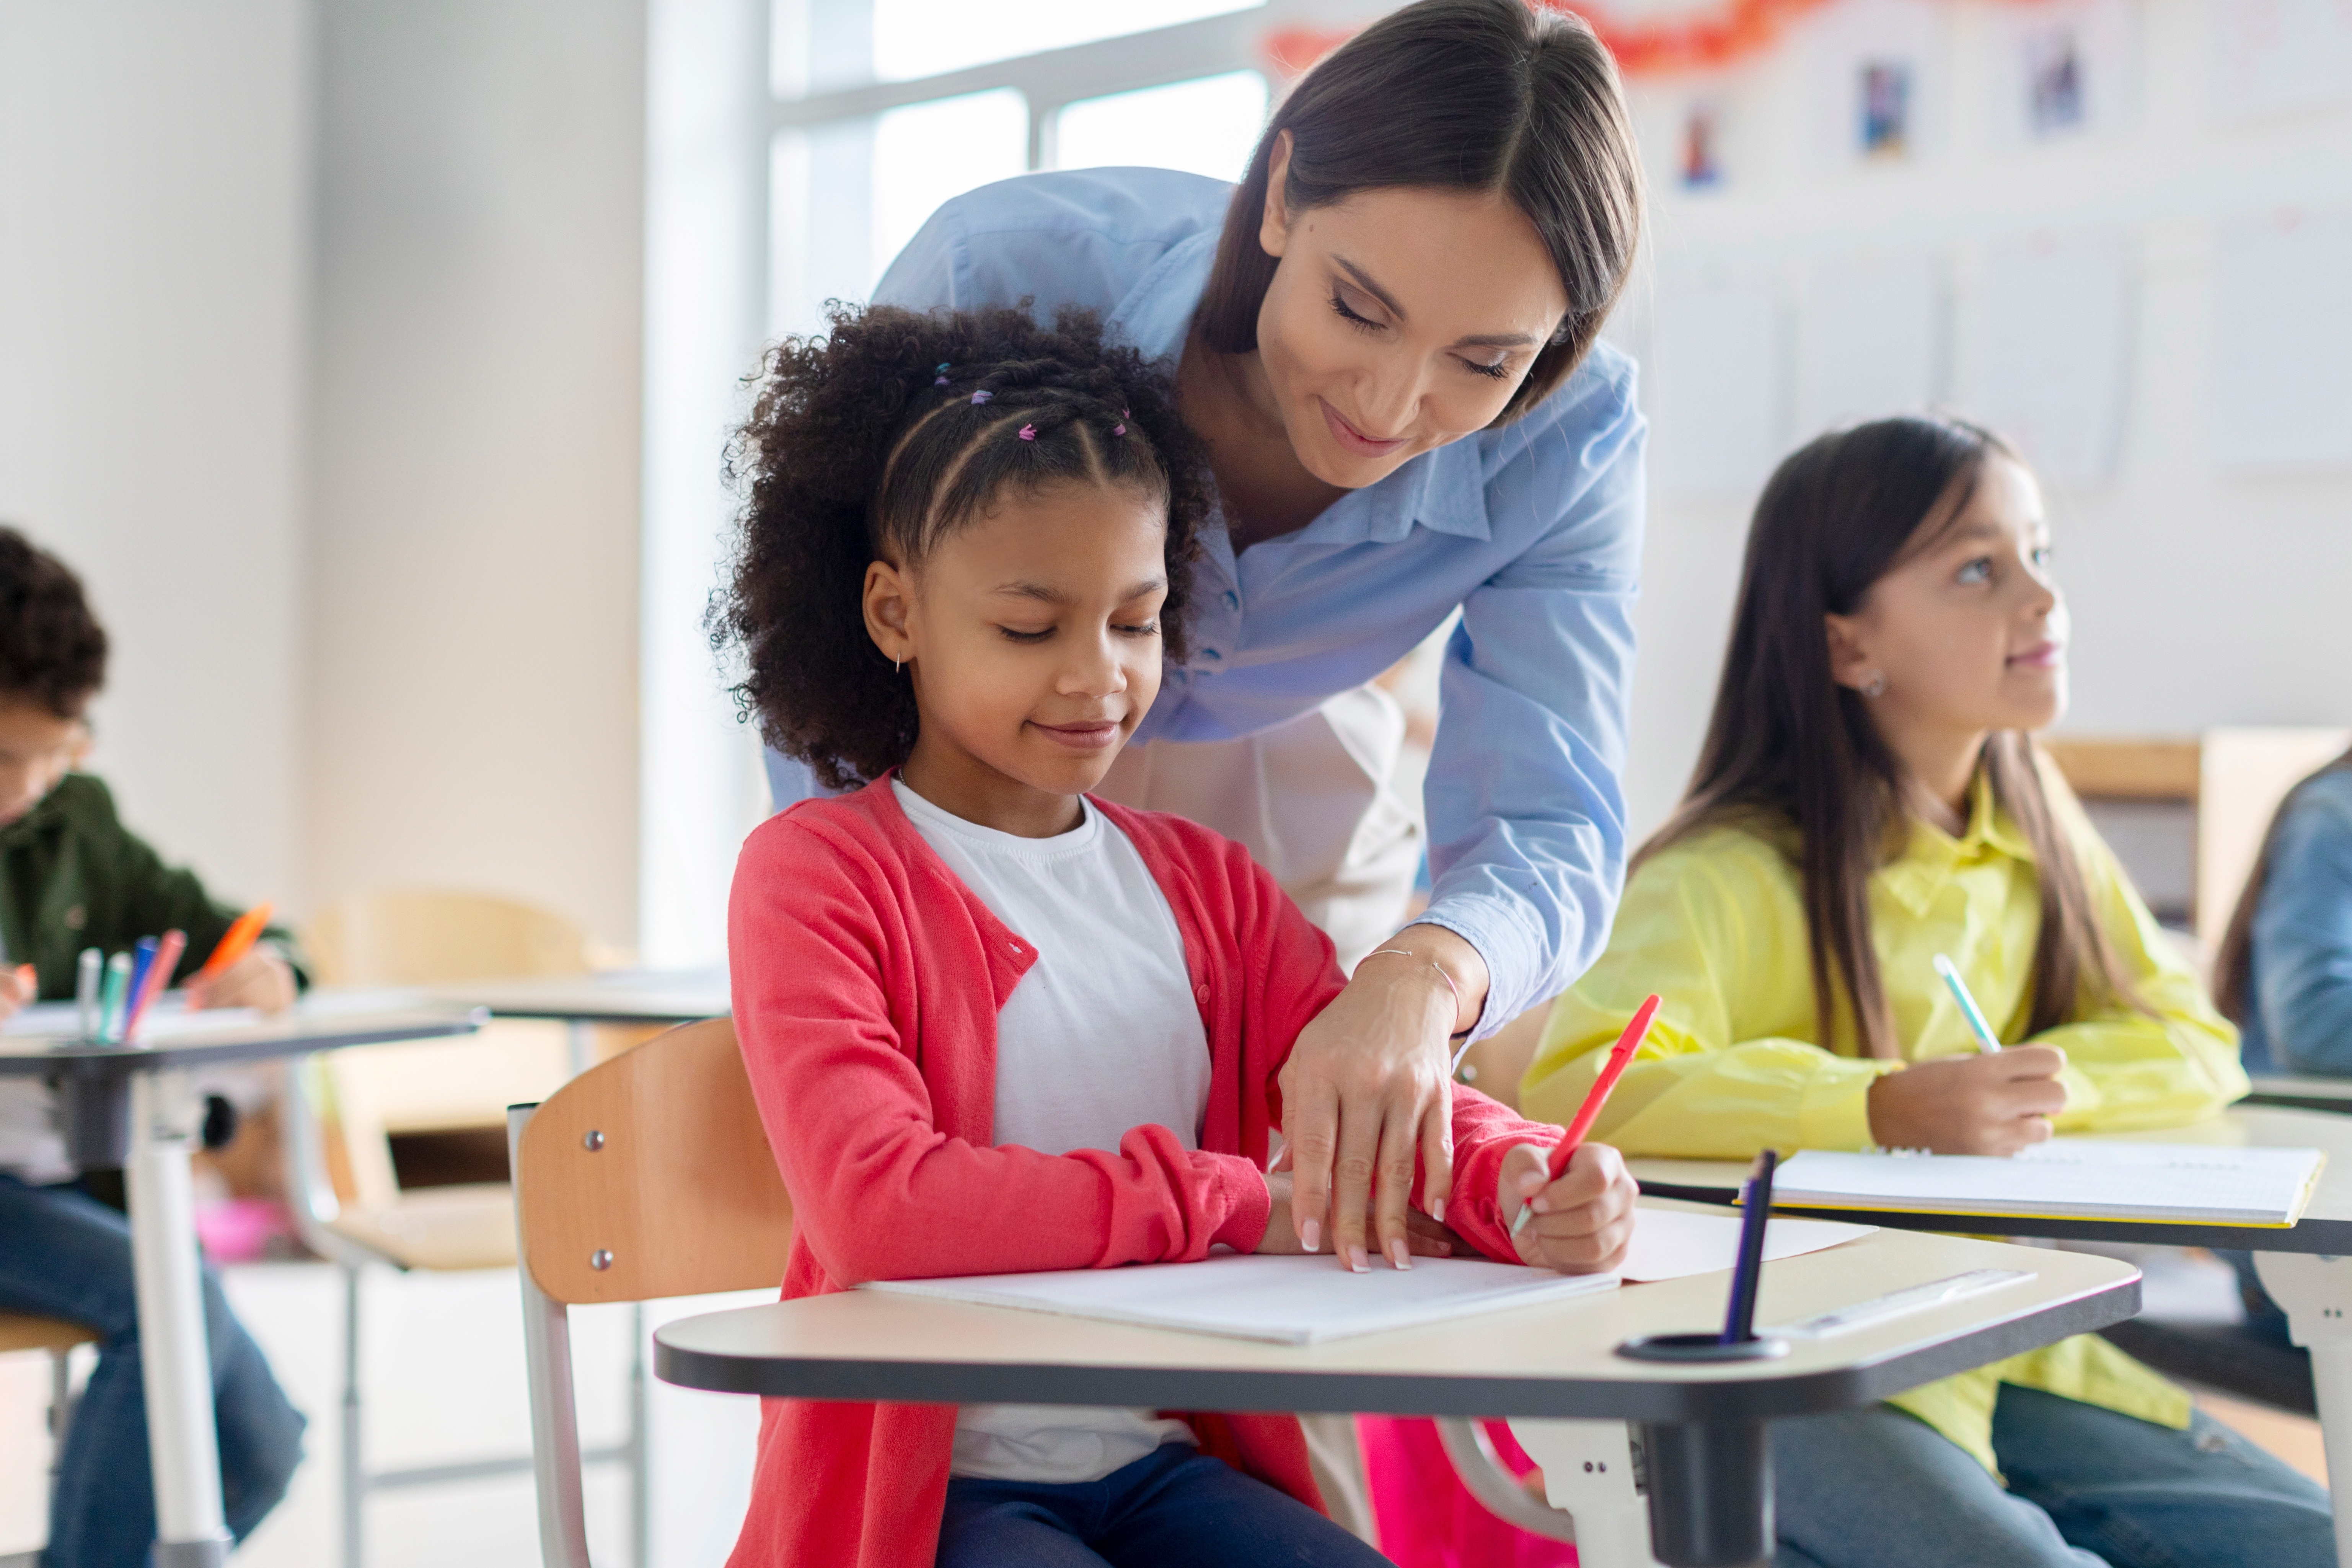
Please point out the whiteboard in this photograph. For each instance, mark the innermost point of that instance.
(1868, 340)
(2045, 353)
(1716, 377)
(2281, 378)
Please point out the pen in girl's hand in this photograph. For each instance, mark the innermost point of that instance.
(1620, 1054)
(1988, 1043)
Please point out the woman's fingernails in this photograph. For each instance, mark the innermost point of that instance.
(1310, 1236)
(1357, 1262)
(1437, 1210)
(1399, 1254)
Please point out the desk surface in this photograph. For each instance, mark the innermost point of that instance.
(616, 997)
(2325, 1225)
(327, 1024)
(1551, 1359)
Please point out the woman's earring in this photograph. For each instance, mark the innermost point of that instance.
(899, 668)
(1875, 686)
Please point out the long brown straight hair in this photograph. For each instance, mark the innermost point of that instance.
(2233, 966)
(1788, 744)
(1476, 95)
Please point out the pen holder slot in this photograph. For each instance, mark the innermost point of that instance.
(1700, 1348)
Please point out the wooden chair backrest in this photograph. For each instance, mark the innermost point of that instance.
(655, 1163)
(427, 936)
(23, 1333)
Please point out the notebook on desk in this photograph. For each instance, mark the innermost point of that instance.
(1304, 1301)
(2066, 1178)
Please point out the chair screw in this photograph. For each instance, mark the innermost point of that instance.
(594, 1140)
(600, 1260)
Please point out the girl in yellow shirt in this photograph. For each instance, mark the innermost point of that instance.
(1867, 797)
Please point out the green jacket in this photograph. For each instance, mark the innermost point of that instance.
(71, 876)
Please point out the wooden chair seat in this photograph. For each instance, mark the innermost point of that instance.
(52, 1334)
(468, 1227)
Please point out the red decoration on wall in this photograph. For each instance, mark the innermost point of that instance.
(1701, 39)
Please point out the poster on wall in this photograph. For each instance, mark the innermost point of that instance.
(2277, 57)
(2063, 70)
(1868, 340)
(2045, 352)
(2281, 379)
(1714, 378)
(1875, 82)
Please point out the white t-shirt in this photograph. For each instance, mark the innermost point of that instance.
(1101, 1035)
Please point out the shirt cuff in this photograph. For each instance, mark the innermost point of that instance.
(1253, 1209)
(1515, 959)
(1834, 1110)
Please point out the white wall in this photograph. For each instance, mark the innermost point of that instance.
(2201, 598)
(473, 594)
(155, 205)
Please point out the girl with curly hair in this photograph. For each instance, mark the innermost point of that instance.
(994, 1025)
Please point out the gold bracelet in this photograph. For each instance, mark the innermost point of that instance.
(1408, 952)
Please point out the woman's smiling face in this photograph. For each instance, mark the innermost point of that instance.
(1397, 320)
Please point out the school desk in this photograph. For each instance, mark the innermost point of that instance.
(2303, 1093)
(1701, 1426)
(2306, 1268)
(582, 1001)
(133, 1106)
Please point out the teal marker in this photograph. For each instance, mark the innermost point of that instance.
(1968, 1008)
(118, 997)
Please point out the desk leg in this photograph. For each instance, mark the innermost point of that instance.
(1591, 1474)
(2316, 1292)
(183, 1445)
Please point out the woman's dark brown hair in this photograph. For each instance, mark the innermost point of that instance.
(1788, 744)
(881, 438)
(1466, 95)
(2233, 966)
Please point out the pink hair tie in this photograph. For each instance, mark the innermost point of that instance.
(943, 377)
(1118, 429)
(1028, 432)
(982, 395)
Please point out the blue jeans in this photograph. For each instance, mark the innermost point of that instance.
(1872, 1488)
(63, 1255)
(1172, 1508)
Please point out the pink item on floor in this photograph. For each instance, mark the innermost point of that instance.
(239, 1230)
(1427, 1517)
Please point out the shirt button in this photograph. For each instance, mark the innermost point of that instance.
(1201, 994)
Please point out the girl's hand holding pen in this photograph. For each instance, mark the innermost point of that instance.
(261, 979)
(1970, 1105)
(1582, 1223)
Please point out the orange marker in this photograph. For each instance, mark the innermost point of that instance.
(1620, 1055)
(235, 944)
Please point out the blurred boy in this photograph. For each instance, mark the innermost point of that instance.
(71, 876)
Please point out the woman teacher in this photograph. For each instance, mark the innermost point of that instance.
(1386, 333)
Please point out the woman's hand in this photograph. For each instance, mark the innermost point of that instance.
(1993, 1104)
(1584, 1222)
(19, 987)
(1368, 1085)
(1424, 1238)
(260, 979)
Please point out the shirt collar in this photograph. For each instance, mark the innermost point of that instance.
(1932, 856)
(1444, 490)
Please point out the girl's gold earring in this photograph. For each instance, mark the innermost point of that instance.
(1877, 685)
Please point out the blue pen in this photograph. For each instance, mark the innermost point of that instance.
(1754, 1209)
(1968, 1008)
(142, 958)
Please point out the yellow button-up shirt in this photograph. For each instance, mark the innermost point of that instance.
(1716, 926)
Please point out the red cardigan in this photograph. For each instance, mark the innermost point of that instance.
(868, 980)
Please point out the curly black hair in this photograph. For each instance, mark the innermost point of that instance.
(879, 440)
(52, 649)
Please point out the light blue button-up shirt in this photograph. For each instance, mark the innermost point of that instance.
(1533, 531)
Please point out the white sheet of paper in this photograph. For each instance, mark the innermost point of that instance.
(2044, 354)
(1867, 341)
(1283, 1300)
(1715, 392)
(1673, 1244)
(2282, 381)
(2076, 1177)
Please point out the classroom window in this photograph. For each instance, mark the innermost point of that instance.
(1207, 126)
(916, 38)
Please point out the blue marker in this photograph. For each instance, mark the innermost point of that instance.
(1748, 1272)
(1968, 1008)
